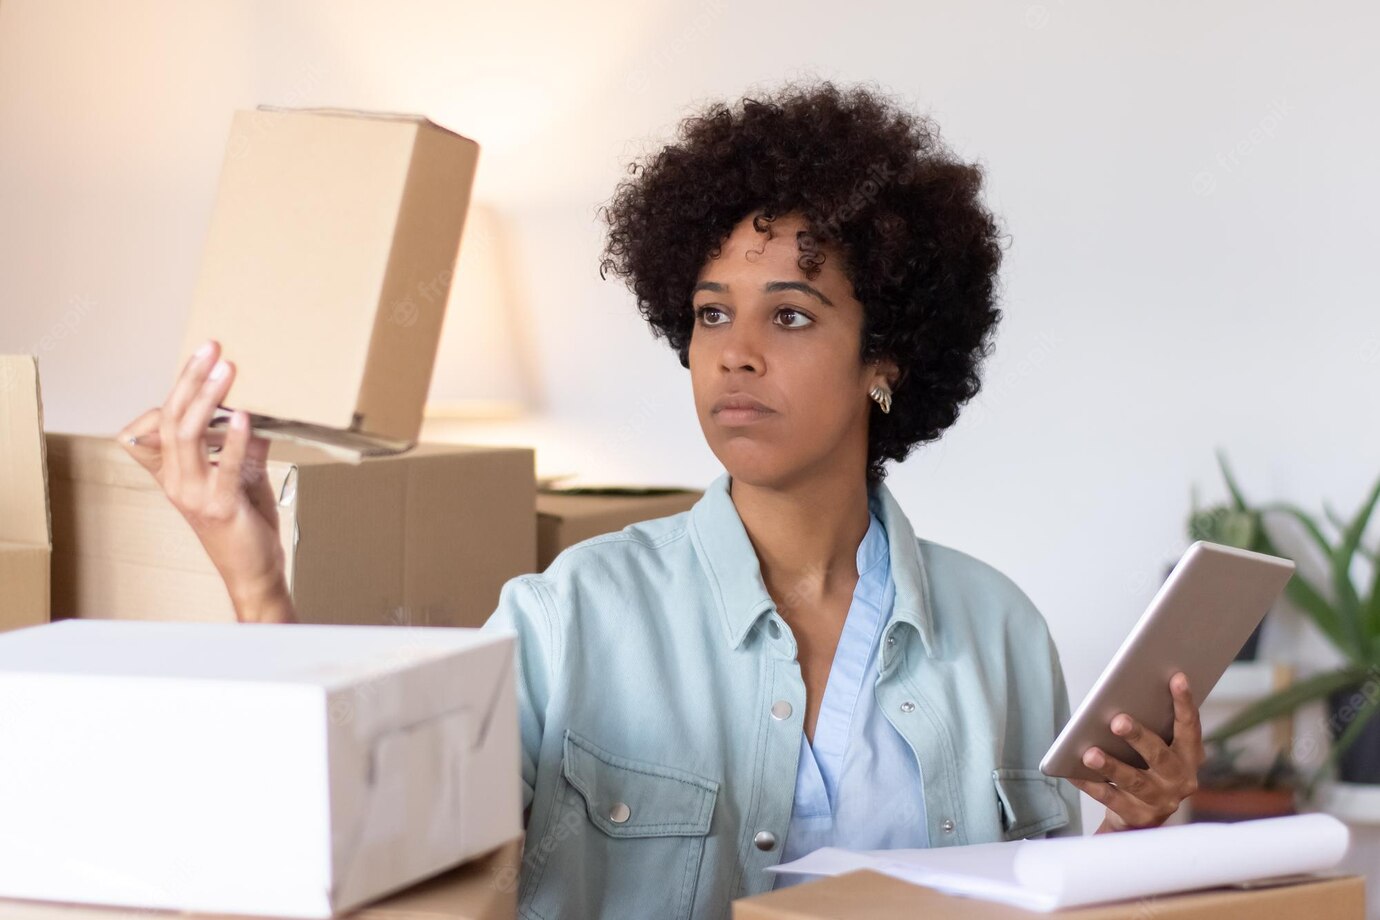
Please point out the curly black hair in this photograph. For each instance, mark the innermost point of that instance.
(868, 178)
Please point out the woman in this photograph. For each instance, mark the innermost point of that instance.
(786, 665)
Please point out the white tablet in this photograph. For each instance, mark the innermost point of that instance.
(1196, 623)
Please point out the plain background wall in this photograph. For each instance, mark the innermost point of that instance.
(1189, 190)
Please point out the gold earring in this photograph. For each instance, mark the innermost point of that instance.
(882, 394)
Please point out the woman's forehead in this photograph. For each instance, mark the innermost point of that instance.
(773, 253)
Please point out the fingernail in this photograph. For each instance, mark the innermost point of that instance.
(1093, 758)
(239, 421)
(220, 370)
(201, 353)
(1121, 725)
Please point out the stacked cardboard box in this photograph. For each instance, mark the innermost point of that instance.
(25, 535)
(867, 895)
(424, 538)
(482, 889)
(253, 769)
(566, 517)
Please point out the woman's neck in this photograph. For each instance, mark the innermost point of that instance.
(806, 535)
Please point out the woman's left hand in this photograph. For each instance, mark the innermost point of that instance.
(1138, 798)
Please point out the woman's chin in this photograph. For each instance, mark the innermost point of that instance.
(754, 466)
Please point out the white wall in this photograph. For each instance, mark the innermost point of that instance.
(1189, 188)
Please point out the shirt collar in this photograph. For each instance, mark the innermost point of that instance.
(735, 576)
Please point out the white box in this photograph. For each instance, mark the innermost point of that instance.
(282, 770)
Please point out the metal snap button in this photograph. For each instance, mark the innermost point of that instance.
(781, 710)
(947, 825)
(907, 706)
(890, 641)
(619, 813)
(765, 840)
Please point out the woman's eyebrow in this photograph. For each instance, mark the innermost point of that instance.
(772, 287)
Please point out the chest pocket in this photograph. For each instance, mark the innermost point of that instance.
(634, 837)
(1030, 802)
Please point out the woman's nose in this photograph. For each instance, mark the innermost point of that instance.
(742, 351)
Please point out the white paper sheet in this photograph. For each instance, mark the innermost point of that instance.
(1046, 875)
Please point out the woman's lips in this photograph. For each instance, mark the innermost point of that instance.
(735, 418)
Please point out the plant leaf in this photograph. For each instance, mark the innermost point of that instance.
(1348, 601)
(1344, 634)
(1286, 701)
(1236, 495)
(1308, 599)
(1308, 522)
(1372, 615)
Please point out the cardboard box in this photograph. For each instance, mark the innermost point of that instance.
(567, 516)
(327, 268)
(425, 538)
(258, 769)
(484, 888)
(25, 535)
(868, 895)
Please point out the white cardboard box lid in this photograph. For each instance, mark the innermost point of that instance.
(326, 656)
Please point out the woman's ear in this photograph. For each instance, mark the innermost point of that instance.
(886, 371)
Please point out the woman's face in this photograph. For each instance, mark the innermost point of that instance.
(765, 332)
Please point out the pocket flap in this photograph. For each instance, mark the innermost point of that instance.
(633, 798)
(1030, 802)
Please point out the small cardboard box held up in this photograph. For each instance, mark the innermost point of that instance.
(424, 538)
(268, 770)
(327, 268)
(485, 888)
(867, 895)
(25, 535)
(567, 516)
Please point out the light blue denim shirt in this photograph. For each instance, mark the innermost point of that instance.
(653, 674)
(858, 785)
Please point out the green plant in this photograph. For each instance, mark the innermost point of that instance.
(1349, 616)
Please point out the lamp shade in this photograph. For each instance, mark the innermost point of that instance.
(480, 368)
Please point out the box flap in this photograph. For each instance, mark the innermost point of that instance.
(347, 446)
(24, 515)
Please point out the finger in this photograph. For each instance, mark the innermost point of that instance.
(192, 376)
(1188, 726)
(191, 430)
(227, 474)
(1131, 810)
(140, 439)
(260, 489)
(153, 440)
(1122, 774)
(1146, 743)
(188, 383)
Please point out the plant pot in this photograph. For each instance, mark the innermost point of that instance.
(1360, 762)
(1241, 804)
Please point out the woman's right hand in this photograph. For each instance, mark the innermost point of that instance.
(228, 501)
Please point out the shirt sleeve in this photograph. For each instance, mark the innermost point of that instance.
(1067, 791)
(522, 609)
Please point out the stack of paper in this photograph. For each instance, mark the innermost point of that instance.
(1046, 875)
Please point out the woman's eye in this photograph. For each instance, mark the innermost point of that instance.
(789, 311)
(701, 314)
